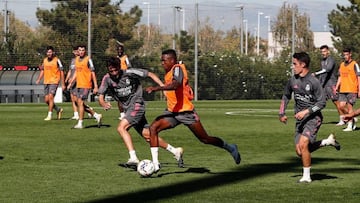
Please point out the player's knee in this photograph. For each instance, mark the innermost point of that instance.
(121, 129)
(298, 150)
(153, 130)
(146, 136)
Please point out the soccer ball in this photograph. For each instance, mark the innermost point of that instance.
(146, 168)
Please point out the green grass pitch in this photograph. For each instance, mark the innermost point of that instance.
(47, 161)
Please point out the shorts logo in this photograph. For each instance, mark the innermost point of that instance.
(127, 82)
(307, 88)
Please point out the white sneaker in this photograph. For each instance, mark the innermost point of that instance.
(340, 123)
(350, 126)
(354, 126)
(75, 118)
(178, 156)
(132, 162)
(348, 129)
(356, 119)
(77, 126)
(98, 118)
(157, 167)
(332, 142)
(305, 180)
(48, 118)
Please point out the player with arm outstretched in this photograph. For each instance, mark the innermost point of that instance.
(126, 88)
(180, 109)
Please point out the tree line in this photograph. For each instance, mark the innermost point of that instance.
(224, 73)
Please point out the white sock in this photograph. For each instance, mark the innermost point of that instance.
(132, 154)
(76, 114)
(306, 172)
(341, 118)
(49, 114)
(155, 154)
(350, 124)
(171, 149)
(80, 122)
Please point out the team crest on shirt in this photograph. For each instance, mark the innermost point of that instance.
(127, 81)
(307, 87)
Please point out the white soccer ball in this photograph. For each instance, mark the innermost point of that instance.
(146, 168)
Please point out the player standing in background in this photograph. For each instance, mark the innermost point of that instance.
(85, 79)
(53, 72)
(328, 78)
(309, 99)
(72, 89)
(124, 64)
(348, 86)
(180, 109)
(126, 88)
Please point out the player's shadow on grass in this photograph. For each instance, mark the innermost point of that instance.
(199, 170)
(98, 126)
(239, 174)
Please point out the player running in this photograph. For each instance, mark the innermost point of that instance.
(126, 88)
(309, 101)
(180, 109)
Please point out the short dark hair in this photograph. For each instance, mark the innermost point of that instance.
(82, 46)
(171, 52)
(348, 50)
(324, 47)
(303, 57)
(50, 48)
(114, 62)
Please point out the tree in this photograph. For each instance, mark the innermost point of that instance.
(282, 29)
(345, 23)
(17, 42)
(109, 24)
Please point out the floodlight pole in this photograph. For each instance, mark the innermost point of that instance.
(89, 28)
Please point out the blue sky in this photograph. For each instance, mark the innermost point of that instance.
(222, 14)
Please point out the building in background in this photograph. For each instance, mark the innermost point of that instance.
(320, 38)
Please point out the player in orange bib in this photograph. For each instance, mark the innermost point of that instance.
(348, 87)
(180, 109)
(85, 79)
(53, 73)
(124, 65)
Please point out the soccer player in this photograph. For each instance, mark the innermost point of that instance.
(124, 64)
(348, 86)
(53, 72)
(72, 89)
(309, 100)
(84, 77)
(180, 109)
(126, 88)
(328, 78)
